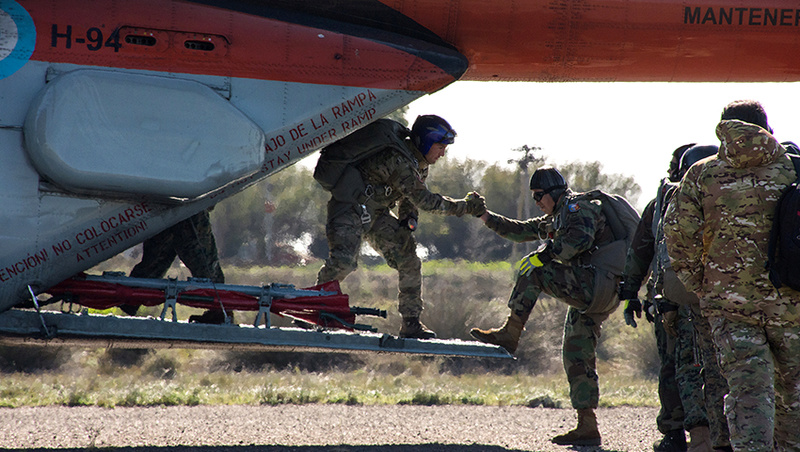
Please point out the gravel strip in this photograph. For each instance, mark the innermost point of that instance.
(307, 428)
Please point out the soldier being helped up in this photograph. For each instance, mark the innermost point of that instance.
(585, 239)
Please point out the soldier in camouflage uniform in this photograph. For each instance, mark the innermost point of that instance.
(394, 176)
(681, 383)
(192, 240)
(573, 227)
(717, 230)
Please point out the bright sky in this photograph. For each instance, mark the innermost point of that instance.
(631, 128)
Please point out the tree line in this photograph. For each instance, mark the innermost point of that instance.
(281, 220)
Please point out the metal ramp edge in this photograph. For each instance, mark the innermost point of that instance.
(107, 331)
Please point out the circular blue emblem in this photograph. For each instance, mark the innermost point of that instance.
(17, 37)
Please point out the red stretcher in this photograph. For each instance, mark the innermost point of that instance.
(323, 305)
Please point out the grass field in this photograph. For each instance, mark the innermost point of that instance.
(458, 296)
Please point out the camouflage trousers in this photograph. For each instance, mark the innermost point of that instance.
(714, 384)
(591, 297)
(396, 244)
(670, 416)
(688, 372)
(192, 240)
(762, 366)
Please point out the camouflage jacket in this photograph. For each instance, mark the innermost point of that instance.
(392, 177)
(570, 235)
(717, 227)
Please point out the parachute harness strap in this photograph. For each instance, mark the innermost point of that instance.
(366, 218)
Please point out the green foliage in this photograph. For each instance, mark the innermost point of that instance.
(247, 231)
(295, 230)
(585, 176)
(458, 294)
(507, 193)
(448, 237)
(399, 115)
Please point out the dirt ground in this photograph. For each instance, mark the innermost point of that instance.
(316, 428)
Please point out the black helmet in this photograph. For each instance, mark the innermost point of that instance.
(694, 154)
(430, 129)
(675, 164)
(547, 178)
(791, 147)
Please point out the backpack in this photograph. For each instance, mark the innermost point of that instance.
(620, 214)
(783, 251)
(336, 171)
(666, 280)
(623, 220)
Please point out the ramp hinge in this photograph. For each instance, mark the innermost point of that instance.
(171, 299)
(264, 306)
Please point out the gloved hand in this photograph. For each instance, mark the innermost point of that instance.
(528, 263)
(649, 311)
(632, 307)
(670, 321)
(476, 204)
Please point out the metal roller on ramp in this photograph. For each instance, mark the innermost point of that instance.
(90, 330)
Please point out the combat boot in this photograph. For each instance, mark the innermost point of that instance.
(700, 439)
(673, 441)
(414, 329)
(507, 336)
(585, 434)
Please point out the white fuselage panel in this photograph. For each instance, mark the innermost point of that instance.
(97, 131)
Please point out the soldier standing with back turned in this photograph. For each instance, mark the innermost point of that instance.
(717, 229)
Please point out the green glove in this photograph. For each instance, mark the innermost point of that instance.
(528, 263)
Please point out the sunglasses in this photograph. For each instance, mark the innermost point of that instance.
(538, 195)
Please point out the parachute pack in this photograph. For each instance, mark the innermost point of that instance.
(623, 219)
(665, 277)
(783, 251)
(620, 214)
(335, 170)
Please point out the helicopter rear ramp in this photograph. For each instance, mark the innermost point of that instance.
(28, 327)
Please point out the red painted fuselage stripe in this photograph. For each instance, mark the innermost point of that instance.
(184, 37)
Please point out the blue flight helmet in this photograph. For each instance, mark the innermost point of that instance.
(429, 130)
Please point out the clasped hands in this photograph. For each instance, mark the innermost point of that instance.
(476, 204)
